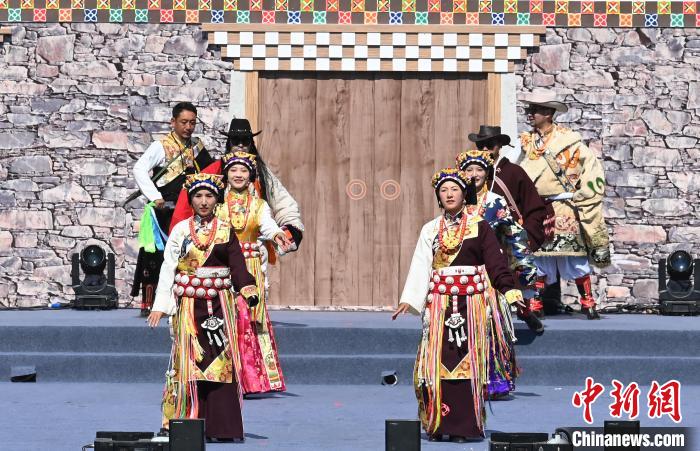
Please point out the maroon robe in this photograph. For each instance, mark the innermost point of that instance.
(523, 192)
(483, 249)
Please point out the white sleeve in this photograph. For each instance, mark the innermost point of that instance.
(417, 282)
(268, 227)
(285, 209)
(152, 157)
(165, 298)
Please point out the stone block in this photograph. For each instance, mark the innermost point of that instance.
(195, 45)
(638, 233)
(66, 193)
(22, 88)
(103, 217)
(46, 71)
(25, 120)
(591, 79)
(617, 292)
(55, 49)
(26, 220)
(17, 73)
(19, 185)
(56, 138)
(666, 207)
(185, 93)
(685, 181)
(10, 264)
(35, 164)
(656, 156)
(6, 240)
(110, 140)
(682, 234)
(75, 231)
(552, 58)
(631, 178)
(91, 69)
(646, 289)
(92, 166)
(26, 240)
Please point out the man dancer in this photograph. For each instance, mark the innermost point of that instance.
(567, 174)
(170, 160)
(512, 183)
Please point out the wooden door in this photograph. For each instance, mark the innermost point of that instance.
(357, 152)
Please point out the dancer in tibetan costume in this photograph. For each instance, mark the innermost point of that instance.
(457, 265)
(568, 175)
(203, 266)
(169, 160)
(478, 166)
(252, 221)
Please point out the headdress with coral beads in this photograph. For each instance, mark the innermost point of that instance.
(481, 157)
(212, 182)
(451, 175)
(244, 158)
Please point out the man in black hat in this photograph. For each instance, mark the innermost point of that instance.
(512, 183)
(160, 173)
(268, 187)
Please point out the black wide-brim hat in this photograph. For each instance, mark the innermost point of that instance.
(240, 128)
(490, 132)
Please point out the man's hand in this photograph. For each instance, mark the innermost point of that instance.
(401, 310)
(284, 242)
(159, 203)
(154, 318)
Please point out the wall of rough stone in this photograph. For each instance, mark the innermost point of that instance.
(634, 94)
(78, 104)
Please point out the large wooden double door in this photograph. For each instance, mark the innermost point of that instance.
(357, 152)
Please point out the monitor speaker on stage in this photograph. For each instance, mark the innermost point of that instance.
(621, 428)
(187, 435)
(402, 435)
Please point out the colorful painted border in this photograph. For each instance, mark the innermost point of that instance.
(551, 13)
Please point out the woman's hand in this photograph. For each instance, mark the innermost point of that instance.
(154, 318)
(283, 242)
(401, 310)
(515, 297)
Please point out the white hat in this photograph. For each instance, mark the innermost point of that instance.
(547, 99)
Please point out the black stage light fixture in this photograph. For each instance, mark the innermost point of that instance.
(95, 291)
(127, 441)
(678, 295)
(187, 434)
(390, 378)
(402, 435)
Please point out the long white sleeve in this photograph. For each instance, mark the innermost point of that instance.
(418, 279)
(165, 299)
(152, 157)
(268, 227)
(285, 209)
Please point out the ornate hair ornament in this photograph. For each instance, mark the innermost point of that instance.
(212, 182)
(481, 157)
(451, 175)
(244, 158)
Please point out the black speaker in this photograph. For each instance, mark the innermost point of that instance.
(187, 434)
(111, 264)
(522, 441)
(621, 428)
(402, 435)
(75, 270)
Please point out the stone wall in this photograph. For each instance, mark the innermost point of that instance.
(634, 94)
(78, 104)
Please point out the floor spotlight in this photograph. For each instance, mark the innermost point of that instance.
(678, 295)
(95, 291)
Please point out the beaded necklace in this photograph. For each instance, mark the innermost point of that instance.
(210, 236)
(449, 241)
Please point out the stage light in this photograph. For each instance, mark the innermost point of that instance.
(389, 378)
(679, 295)
(96, 290)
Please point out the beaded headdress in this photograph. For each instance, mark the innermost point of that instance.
(481, 157)
(244, 158)
(451, 175)
(212, 182)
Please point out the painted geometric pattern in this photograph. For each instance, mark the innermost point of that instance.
(385, 51)
(559, 13)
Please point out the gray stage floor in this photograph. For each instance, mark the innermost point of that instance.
(64, 416)
(130, 317)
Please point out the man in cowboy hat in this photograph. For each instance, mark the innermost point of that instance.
(169, 160)
(568, 175)
(512, 183)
